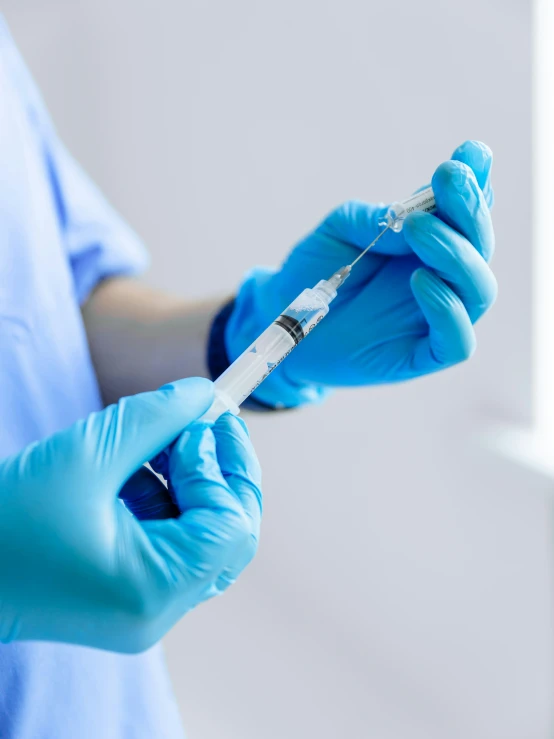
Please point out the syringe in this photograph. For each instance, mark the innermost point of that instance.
(272, 346)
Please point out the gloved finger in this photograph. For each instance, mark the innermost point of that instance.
(454, 259)
(136, 429)
(227, 450)
(195, 473)
(223, 466)
(451, 337)
(239, 465)
(213, 532)
(145, 495)
(461, 204)
(479, 158)
(356, 224)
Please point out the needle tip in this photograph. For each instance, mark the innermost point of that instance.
(338, 277)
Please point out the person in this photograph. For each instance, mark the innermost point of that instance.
(98, 559)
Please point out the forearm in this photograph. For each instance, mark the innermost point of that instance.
(141, 338)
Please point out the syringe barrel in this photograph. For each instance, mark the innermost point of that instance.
(250, 369)
(423, 201)
(265, 354)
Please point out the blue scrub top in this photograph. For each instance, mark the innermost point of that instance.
(58, 238)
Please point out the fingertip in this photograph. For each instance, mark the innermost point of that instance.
(233, 431)
(479, 157)
(243, 424)
(430, 290)
(418, 275)
(423, 279)
(419, 228)
(451, 336)
(197, 389)
(235, 451)
(193, 434)
(150, 421)
(474, 152)
(420, 286)
(461, 201)
(193, 394)
(464, 206)
(452, 174)
(417, 222)
(193, 452)
(193, 464)
(229, 420)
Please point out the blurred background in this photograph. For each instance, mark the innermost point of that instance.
(403, 589)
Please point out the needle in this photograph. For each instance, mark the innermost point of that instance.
(375, 240)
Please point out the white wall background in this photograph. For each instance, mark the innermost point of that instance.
(403, 589)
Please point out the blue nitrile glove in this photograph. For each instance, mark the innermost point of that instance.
(77, 566)
(408, 307)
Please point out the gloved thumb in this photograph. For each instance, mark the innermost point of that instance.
(136, 429)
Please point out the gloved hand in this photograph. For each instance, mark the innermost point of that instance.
(77, 566)
(408, 307)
